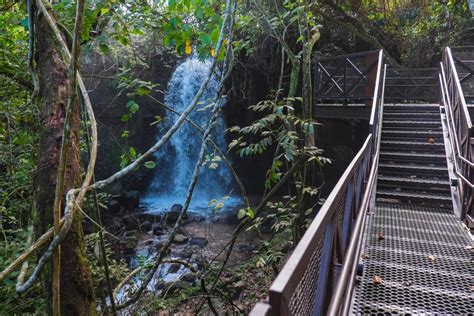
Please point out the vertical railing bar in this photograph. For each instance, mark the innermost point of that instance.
(325, 264)
(347, 220)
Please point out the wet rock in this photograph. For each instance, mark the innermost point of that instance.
(174, 268)
(160, 286)
(130, 222)
(188, 252)
(149, 242)
(113, 207)
(143, 216)
(198, 241)
(130, 200)
(146, 226)
(173, 214)
(158, 229)
(194, 218)
(180, 239)
(179, 285)
(190, 278)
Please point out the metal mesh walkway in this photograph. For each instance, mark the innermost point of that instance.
(416, 261)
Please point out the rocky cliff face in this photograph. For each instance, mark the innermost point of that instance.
(101, 75)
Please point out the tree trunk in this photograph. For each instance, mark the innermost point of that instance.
(77, 296)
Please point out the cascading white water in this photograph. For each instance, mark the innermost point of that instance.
(176, 161)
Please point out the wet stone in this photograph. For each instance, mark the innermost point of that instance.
(180, 239)
(198, 241)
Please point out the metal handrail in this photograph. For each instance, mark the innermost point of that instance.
(340, 301)
(449, 111)
(376, 92)
(458, 86)
(334, 234)
(457, 117)
(288, 278)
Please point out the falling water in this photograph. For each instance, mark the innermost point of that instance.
(176, 161)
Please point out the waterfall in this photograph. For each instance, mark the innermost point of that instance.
(176, 161)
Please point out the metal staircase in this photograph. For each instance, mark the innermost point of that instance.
(415, 258)
(412, 162)
(391, 237)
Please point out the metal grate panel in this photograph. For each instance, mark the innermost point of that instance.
(302, 301)
(423, 260)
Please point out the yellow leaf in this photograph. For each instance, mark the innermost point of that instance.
(212, 52)
(188, 49)
(377, 279)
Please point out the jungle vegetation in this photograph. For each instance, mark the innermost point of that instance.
(52, 181)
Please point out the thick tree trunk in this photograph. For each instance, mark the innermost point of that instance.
(77, 296)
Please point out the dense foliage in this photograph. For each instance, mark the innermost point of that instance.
(127, 34)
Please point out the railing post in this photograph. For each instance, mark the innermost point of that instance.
(316, 81)
(348, 218)
(372, 78)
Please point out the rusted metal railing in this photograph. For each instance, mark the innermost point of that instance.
(319, 275)
(345, 79)
(461, 133)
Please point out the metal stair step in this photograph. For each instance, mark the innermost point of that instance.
(428, 184)
(413, 170)
(409, 156)
(413, 128)
(413, 196)
(410, 109)
(412, 116)
(411, 146)
(414, 180)
(402, 135)
(411, 106)
(411, 123)
(411, 143)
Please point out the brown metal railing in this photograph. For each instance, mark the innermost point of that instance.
(460, 132)
(345, 79)
(319, 275)
(464, 61)
(412, 85)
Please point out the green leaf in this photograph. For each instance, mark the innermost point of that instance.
(205, 38)
(125, 118)
(133, 106)
(125, 134)
(150, 164)
(104, 48)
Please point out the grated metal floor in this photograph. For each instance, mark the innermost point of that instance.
(418, 258)
(423, 260)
